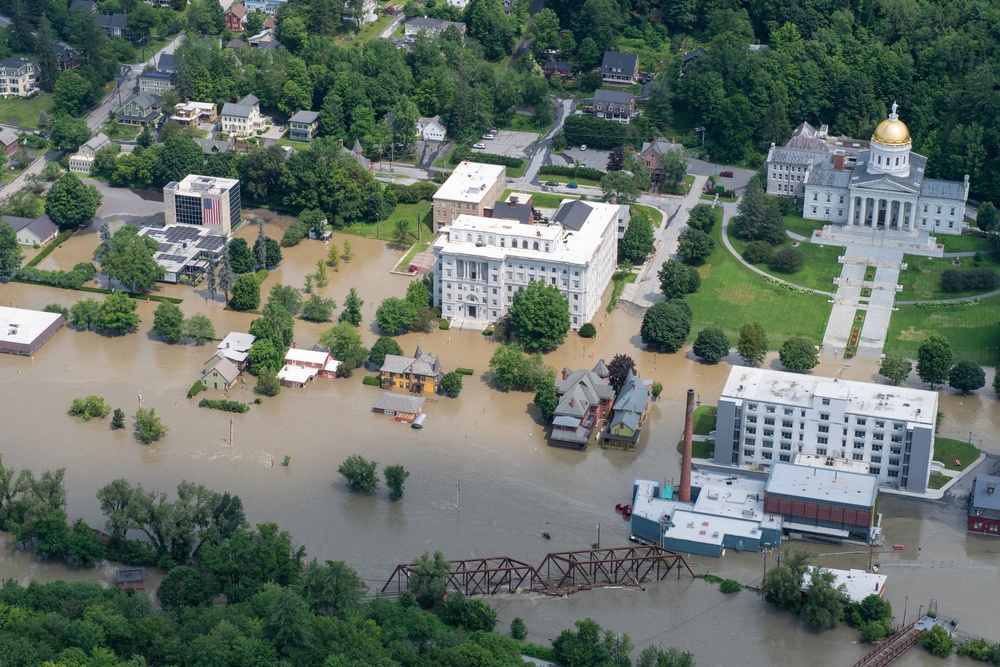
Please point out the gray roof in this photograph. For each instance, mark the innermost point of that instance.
(362, 161)
(579, 391)
(827, 485)
(145, 100)
(838, 178)
(307, 117)
(168, 76)
(226, 369)
(16, 63)
(806, 138)
(420, 363)
(42, 226)
(614, 96)
(627, 417)
(96, 142)
(695, 53)
(792, 156)
(981, 498)
(241, 109)
(166, 63)
(626, 62)
(210, 146)
(910, 183)
(399, 403)
(7, 137)
(16, 222)
(660, 147)
(573, 215)
(236, 43)
(601, 369)
(112, 21)
(634, 396)
(87, 5)
(521, 212)
(426, 23)
(938, 189)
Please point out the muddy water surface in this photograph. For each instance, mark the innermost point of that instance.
(483, 482)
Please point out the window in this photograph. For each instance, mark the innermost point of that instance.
(878, 436)
(879, 423)
(821, 451)
(892, 473)
(787, 446)
(785, 457)
(826, 401)
(858, 456)
(766, 456)
(770, 409)
(861, 421)
(752, 419)
(769, 432)
(769, 421)
(874, 470)
(893, 462)
(748, 453)
(751, 406)
(823, 428)
(814, 210)
(822, 440)
(877, 459)
(786, 435)
(859, 433)
(896, 450)
(786, 423)
(824, 416)
(768, 444)
(859, 444)
(752, 430)
(876, 448)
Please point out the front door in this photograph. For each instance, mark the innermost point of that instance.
(473, 312)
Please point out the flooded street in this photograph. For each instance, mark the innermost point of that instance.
(482, 480)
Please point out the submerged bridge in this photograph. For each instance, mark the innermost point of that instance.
(892, 648)
(559, 573)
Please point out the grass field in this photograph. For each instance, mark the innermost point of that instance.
(937, 480)
(819, 265)
(704, 419)
(947, 451)
(386, 229)
(543, 199)
(922, 279)
(655, 214)
(699, 449)
(797, 225)
(975, 242)
(417, 248)
(24, 113)
(569, 179)
(971, 329)
(731, 295)
(521, 123)
(621, 279)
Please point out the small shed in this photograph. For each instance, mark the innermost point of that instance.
(131, 579)
(400, 408)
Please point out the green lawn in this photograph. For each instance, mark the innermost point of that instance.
(797, 225)
(971, 329)
(521, 123)
(655, 214)
(704, 419)
(417, 248)
(819, 265)
(567, 179)
(24, 113)
(937, 480)
(731, 295)
(947, 451)
(965, 243)
(621, 279)
(922, 279)
(297, 145)
(386, 229)
(699, 449)
(682, 190)
(542, 199)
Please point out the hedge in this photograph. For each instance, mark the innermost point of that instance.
(372, 380)
(465, 153)
(961, 280)
(411, 194)
(196, 389)
(572, 172)
(227, 406)
(464, 371)
(50, 247)
(596, 132)
(74, 279)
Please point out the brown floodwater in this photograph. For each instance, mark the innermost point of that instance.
(482, 480)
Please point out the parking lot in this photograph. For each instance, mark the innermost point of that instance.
(587, 158)
(511, 144)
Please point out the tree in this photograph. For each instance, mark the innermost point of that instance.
(759, 217)
(418, 292)
(787, 260)
(666, 325)
(269, 250)
(85, 314)
(491, 27)
(73, 93)
(382, 347)
(752, 343)
(966, 376)
(118, 314)
(226, 276)
(69, 203)
(824, 604)
(344, 342)
(265, 355)
(938, 641)
(359, 473)
(69, 133)
(711, 345)
(988, 219)
(798, 354)
(895, 368)
(246, 293)
(934, 360)
(333, 257)
(352, 308)
(544, 30)
(618, 369)
(395, 478)
(590, 645)
(620, 187)
(539, 316)
(199, 329)
(429, 579)
(268, 383)
(318, 309)
(287, 297)
(11, 254)
(677, 279)
(148, 426)
(451, 384)
(168, 322)
(48, 63)
(637, 243)
(518, 630)
(588, 54)
(395, 315)
(288, 623)
(118, 419)
(241, 257)
(322, 279)
(332, 589)
(348, 250)
(695, 246)
(674, 169)
(702, 218)
(89, 407)
(546, 399)
(782, 584)
(179, 157)
(652, 656)
(184, 587)
(130, 260)
(513, 369)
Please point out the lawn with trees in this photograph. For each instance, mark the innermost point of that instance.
(969, 327)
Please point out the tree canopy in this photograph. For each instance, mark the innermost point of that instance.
(129, 260)
(666, 325)
(70, 203)
(539, 316)
(934, 360)
(798, 354)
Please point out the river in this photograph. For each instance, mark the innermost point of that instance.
(482, 480)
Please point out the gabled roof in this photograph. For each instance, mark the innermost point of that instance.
(399, 403)
(95, 143)
(601, 370)
(16, 63)
(167, 76)
(634, 396)
(7, 137)
(695, 53)
(557, 65)
(226, 369)
(166, 63)
(307, 117)
(910, 183)
(236, 43)
(573, 215)
(614, 96)
(210, 146)
(238, 10)
(16, 222)
(237, 340)
(626, 62)
(112, 21)
(144, 100)
(660, 147)
(505, 210)
(307, 356)
(242, 109)
(421, 363)
(579, 391)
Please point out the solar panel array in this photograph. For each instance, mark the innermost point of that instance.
(211, 242)
(180, 259)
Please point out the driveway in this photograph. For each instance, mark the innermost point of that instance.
(740, 176)
(141, 207)
(541, 150)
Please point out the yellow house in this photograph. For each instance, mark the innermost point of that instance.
(631, 408)
(419, 374)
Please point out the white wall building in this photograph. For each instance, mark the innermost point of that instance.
(766, 416)
(18, 76)
(878, 184)
(82, 161)
(479, 263)
(431, 129)
(472, 188)
(204, 201)
(243, 117)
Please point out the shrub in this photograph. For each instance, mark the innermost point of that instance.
(588, 330)
(451, 384)
(226, 406)
(730, 586)
(444, 325)
(372, 380)
(657, 389)
(465, 153)
(294, 234)
(118, 419)
(518, 630)
(487, 331)
(196, 389)
(758, 252)
(464, 371)
(786, 260)
(581, 172)
(89, 407)
(958, 280)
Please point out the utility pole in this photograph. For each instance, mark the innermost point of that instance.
(140, 401)
(598, 535)
(231, 422)
(458, 494)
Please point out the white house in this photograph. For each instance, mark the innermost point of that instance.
(18, 76)
(360, 11)
(479, 262)
(431, 129)
(243, 117)
(32, 231)
(82, 161)
(767, 416)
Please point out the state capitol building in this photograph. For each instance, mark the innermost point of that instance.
(877, 184)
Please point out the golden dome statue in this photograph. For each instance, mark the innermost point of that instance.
(892, 132)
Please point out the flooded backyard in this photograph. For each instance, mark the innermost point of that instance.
(482, 480)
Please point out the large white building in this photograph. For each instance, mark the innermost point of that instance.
(767, 416)
(204, 201)
(878, 184)
(479, 262)
(471, 189)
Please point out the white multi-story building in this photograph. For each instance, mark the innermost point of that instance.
(204, 201)
(767, 416)
(18, 76)
(472, 188)
(878, 184)
(479, 262)
(243, 118)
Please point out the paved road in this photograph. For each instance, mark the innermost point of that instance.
(540, 153)
(386, 32)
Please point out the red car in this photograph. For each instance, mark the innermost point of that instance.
(725, 174)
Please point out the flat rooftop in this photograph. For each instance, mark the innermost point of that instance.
(847, 465)
(863, 398)
(470, 181)
(857, 583)
(181, 245)
(822, 484)
(982, 498)
(721, 496)
(195, 184)
(21, 326)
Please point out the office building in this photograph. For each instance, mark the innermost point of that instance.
(203, 201)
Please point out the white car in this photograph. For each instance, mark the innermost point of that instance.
(480, 145)
(583, 147)
(488, 137)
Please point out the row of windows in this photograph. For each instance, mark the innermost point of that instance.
(937, 223)
(816, 198)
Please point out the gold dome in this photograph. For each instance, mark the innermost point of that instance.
(892, 132)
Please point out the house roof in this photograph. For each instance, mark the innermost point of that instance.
(932, 187)
(42, 227)
(238, 10)
(241, 109)
(112, 21)
(420, 363)
(307, 356)
(166, 63)
(399, 403)
(226, 369)
(626, 62)
(15, 63)
(299, 374)
(95, 143)
(505, 210)
(83, 5)
(7, 137)
(166, 76)
(558, 65)
(981, 498)
(630, 419)
(236, 43)
(362, 161)
(307, 117)
(64, 51)
(694, 53)
(580, 390)
(573, 215)
(614, 96)
(237, 340)
(634, 396)
(210, 146)
(144, 100)
(601, 369)
(660, 147)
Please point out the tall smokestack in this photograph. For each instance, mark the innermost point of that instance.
(684, 493)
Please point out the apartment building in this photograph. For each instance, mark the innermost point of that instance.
(470, 190)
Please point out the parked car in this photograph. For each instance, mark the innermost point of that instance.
(552, 184)
(489, 137)
(583, 147)
(725, 174)
(572, 186)
(480, 145)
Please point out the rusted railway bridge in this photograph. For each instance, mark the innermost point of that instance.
(892, 648)
(558, 573)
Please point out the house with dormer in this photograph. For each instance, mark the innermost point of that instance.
(616, 105)
(242, 118)
(82, 161)
(236, 18)
(303, 126)
(585, 401)
(114, 25)
(621, 68)
(629, 413)
(140, 109)
(653, 154)
(419, 374)
(18, 76)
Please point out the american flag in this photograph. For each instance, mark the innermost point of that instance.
(210, 212)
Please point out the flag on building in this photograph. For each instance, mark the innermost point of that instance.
(210, 211)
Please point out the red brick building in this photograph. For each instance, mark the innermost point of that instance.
(984, 506)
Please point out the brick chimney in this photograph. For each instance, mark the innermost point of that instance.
(565, 372)
(684, 493)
